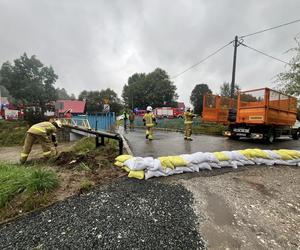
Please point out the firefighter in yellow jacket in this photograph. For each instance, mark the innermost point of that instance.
(149, 120)
(188, 124)
(41, 132)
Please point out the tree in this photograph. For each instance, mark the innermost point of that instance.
(153, 89)
(29, 81)
(225, 89)
(62, 94)
(95, 100)
(197, 97)
(289, 81)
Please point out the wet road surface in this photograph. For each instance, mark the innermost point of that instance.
(172, 143)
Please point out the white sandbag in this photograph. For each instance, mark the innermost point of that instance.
(149, 174)
(200, 157)
(155, 166)
(184, 169)
(215, 165)
(237, 163)
(224, 164)
(136, 163)
(204, 165)
(264, 161)
(247, 162)
(187, 157)
(234, 155)
(272, 154)
(195, 167)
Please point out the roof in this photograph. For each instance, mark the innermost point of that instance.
(76, 106)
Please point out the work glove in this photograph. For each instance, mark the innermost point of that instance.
(53, 138)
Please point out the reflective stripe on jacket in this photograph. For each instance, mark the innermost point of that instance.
(148, 119)
(42, 129)
(188, 117)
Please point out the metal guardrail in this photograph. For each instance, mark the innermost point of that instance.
(98, 134)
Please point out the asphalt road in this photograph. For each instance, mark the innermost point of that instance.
(172, 143)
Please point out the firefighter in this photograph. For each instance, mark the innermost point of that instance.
(188, 124)
(41, 132)
(149, 119)
(131, 120)
(125, 118)
(68, 116)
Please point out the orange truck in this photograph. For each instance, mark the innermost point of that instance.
(259, 114)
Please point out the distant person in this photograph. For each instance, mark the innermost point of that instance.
(68, 116)
(125, 118)
(188, 124)
(131, 120)
(149, 119)
(41, 132)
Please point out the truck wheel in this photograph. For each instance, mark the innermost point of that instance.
(296, 135)
(270, 137)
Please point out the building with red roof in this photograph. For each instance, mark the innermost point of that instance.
(76, 107)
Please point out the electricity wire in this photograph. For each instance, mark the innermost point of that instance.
(263, 53)
(275, 27)
(201, 61)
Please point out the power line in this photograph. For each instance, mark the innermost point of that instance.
(275, 27)
(204, 59)
(263, 53)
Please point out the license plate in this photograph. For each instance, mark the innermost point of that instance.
(241, 134)
(241, 130)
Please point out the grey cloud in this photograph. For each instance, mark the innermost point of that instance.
(99, 44)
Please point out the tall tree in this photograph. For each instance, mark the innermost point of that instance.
(29, 81)
(225, 89)
(197, 97)
(62, 94)
(96, 99)
(153, 89)
(289, 81)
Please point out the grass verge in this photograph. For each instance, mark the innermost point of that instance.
(12, 132)
(178, 124)
(16, 179)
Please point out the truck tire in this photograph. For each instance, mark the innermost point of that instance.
(270, 137)
(296, 135)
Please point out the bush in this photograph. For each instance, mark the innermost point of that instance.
(33, 116)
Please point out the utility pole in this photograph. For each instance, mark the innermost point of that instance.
(233, 67)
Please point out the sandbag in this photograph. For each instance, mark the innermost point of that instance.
(123, 158)
(137, 174)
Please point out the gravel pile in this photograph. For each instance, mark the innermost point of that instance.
(128, 214)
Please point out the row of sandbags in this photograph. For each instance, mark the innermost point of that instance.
(147, 167)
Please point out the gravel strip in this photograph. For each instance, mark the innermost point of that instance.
(129, 214)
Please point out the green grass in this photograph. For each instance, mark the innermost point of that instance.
(84, 145)
(86, 185)
(16, 179)
(12, 132)
(88, 145)
(178, 124)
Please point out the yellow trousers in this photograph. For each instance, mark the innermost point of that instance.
(149, 133)
(188, 130)
(30, 140)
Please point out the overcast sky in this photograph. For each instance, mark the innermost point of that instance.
(98, 44)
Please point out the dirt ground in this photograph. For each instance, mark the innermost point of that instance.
(257, 208)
